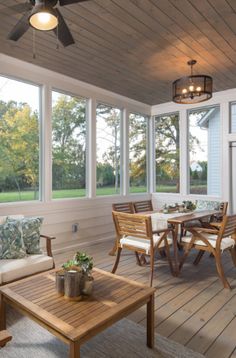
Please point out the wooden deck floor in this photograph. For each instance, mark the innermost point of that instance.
(192, 309)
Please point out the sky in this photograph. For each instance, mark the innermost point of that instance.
(20, 92)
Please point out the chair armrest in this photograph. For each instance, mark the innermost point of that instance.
(48, 243)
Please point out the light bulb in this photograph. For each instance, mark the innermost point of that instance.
(191, 88)
(184, 90)
(44, 17)
(199, 89)
(43, 20)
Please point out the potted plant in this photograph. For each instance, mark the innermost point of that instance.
(73, 277)
(85, 262)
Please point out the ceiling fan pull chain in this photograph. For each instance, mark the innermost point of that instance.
(34, 45)
(57, 47)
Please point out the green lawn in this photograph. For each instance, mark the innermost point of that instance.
(62, 194)
(78, 193)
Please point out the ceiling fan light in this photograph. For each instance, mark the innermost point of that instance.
(43, 19)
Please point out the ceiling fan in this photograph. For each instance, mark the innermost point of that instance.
(44, 16)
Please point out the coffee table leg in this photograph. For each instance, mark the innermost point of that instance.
(150, 322)
(74, 350)
(2, 314)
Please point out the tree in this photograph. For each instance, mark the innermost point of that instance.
(69, 141)
(167, 149)
(110, 134)
(138, 149)
(19, 146)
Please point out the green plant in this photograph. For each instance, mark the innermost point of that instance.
(71, 265)
(84, 261)
(189, 205)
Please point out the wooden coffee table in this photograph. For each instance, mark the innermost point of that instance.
(75, 323)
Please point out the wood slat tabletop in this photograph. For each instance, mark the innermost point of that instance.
(112, 298)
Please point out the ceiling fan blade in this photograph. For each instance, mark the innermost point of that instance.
(20, 28)
(21, 8)
(64, 34)
(68, 2)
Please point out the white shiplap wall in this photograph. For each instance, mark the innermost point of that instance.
(93, 214)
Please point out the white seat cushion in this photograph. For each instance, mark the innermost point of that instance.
(225, 243)
(15, 269)
(143, 243)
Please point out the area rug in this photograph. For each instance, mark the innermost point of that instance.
(124, 339)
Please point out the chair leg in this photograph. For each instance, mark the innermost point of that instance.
(185, 255)
(233, 254)
(169, 257)
(151, 267)
(138, 258)
(143, 260)
(199, 257)
(220, 270)
(113, 250)
(117, 260)
(162, 252)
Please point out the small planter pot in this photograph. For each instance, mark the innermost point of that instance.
(60, 282)
(72, 285)
(87, 285)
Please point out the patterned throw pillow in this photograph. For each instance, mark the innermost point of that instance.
(11, 241)
(207, 205)
(31, 233)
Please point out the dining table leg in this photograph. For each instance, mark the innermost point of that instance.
(175, 245)
(2, 313)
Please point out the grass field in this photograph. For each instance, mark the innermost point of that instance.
(62, 194)
(79, 193)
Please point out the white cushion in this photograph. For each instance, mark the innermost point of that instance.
(143, 244)
(225, 243)
(4, 218)
(15, 269)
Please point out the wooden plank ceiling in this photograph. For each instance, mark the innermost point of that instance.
(135, 47)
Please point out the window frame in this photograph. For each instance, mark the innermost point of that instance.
(87, 151)
(180, 151)
(188, 111)
(148, 154)
(103, 103)
(41, 141)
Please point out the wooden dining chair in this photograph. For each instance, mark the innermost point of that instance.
(214, 241)
(4, 338)
(142, 206)
(135, 234)
(217, 220)
(122, 208)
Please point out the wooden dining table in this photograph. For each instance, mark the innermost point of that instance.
(161, 221)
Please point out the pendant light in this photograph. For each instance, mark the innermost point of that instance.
(192, 89)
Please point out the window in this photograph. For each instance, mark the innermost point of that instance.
(204, 151)
(167, 153)
(108, 150)
(233, 117)
(68, 146)
(138, 153)
(19, 140)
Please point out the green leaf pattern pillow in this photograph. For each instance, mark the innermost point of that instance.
(11, 241)
(31, 233)
(207, 205)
